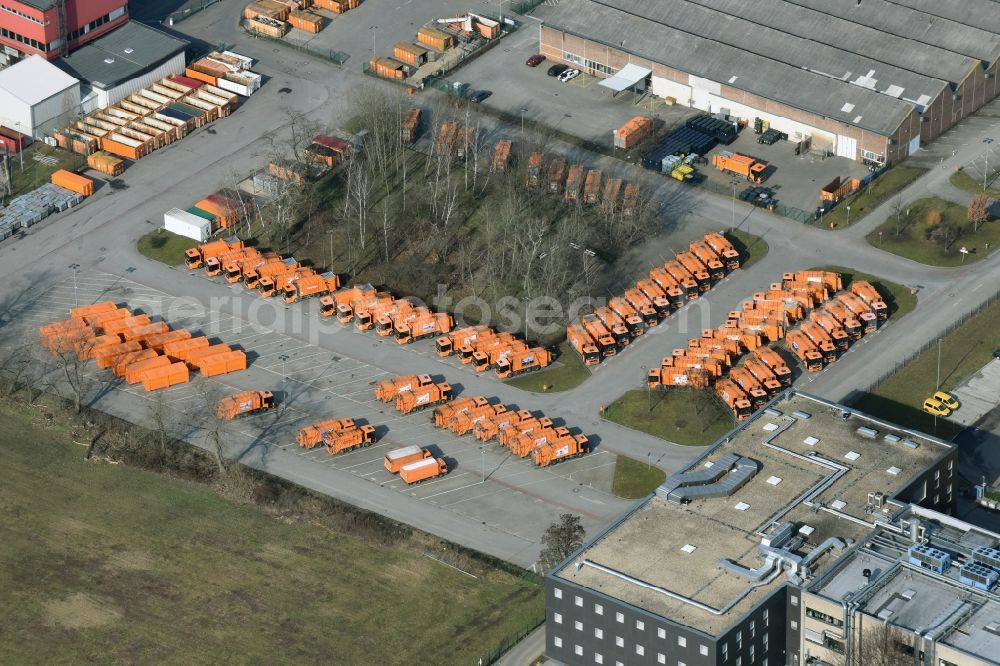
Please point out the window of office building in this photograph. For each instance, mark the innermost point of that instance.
(620, 618)
(619, 641)
(681, 641)
(578, 649)
(557, 592)
(578, 625)
(578, 601)
(703, 650)
(823, 617)
(557, 641)
(599, 609)
(598, 632)
(598, 658)
(661, 632)
(640, 625)
(557, 617)
(639, 650)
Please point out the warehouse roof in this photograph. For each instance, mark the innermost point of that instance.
(898, 19)
(814, 473)
(34, 80)
(122, 54)
(980, 13)
(728, 65)
(781, 46)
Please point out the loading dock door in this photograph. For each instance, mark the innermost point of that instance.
(914, 145)
(847, 147)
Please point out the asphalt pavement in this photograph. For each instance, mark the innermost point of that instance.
(100, 237)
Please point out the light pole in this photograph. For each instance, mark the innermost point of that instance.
(20, 149)
(482, 450)
(937, 385)
(525, 299)
(848, 215)
(732, 225)
(329, 232)
(522, 122)
(373, 28)
(284, 377)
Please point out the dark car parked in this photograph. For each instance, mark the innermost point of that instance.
(535, 60)
(479, 96)
(556, 70)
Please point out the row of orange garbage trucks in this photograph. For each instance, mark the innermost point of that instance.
(610, 328)
(136, 348)
(405, 319)
(809, 311)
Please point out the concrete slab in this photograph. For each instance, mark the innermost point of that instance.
(978, 395)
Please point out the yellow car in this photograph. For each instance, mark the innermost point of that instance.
(936, 407)
(946, 399)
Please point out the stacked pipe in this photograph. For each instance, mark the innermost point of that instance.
(609, 329)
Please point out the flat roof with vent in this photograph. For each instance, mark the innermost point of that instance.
(960, 604)
(122, 54)
(814, 487)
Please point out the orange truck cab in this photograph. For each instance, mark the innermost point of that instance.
(583, 344)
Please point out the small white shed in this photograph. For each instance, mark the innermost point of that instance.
(187, 224)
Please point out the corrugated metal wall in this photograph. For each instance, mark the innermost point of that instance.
(173, 66)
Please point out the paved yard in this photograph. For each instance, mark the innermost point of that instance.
(486, 483)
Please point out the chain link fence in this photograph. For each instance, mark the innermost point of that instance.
(933, 341)
(330, 55)
(509, 643)
(193, 8)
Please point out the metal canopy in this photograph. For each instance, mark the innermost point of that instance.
(628, 76)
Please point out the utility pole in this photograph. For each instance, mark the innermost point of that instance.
(373, 28)
(937, 386)
(848, 215)
(329, 232)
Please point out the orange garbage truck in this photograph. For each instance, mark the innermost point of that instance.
(443, 414)
(734, 398)
(634, 324)
(581, 342)
(839, 311)
(455, 340)
(522, 445)
(387, 389)
(697, 269)
(829, 279)
(490, 427)
(311, 286)
(669, 285)
(821, 339)
(463, 422)
(494, 353)
(763, 374)
(870, 295)
(520, 362)
(244, 403)
(614, 323)
(268, 270)
(683, 277)
(724, 248)
(195, 257)
(605, 341)
(644, 305)
(753, 388)
(423, 397)
(421, 470)
(534, 170)
(832, 326)
(861, 310)
(707, 256)
(656, 295)
(312, 435)
(424, 325)
(776, 363)
(510, 433)
(803, 347)
(566, 448)
(667, 377)
(348, 439)
(741, 165)
(398, 458)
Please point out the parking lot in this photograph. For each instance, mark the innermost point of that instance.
(486, 483)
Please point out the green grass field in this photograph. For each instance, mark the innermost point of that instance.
(165, 246)
(35, 173)
(634, 479)
(899, 299)
(751, 248)
(879, 191)
(963, 352)
(912, 241)
(690, 418)
(565, 372)
(964, 181)
(109, 564)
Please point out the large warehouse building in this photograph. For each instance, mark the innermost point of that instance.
(864, 79)
(37, 97)
(50, 28)
(808, 535)
(123, 62)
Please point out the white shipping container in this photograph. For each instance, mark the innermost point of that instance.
(247, 63)
(245, 83)
(187, 224)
